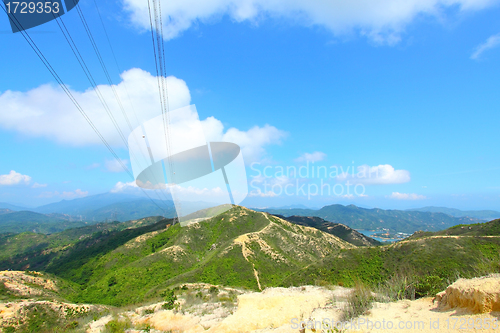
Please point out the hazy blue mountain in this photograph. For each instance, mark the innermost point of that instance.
(378, 219)
(116, 207)
(132, 210)
(82, 206)
(486, 215)
(4, 205)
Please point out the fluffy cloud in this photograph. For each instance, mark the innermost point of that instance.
(14, 178)
(65, 195)
(251, 142)
(381, 20)
(312, 157)
(123, 187)
(47, 112)
(376, 175)
(490, 43)
(268, 194)
(115, 165)
(406, 196)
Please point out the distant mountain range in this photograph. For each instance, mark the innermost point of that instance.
(486, 215)
(379, 219)
(4, 205)
(123, 207)
(136, 262)
(16, 222)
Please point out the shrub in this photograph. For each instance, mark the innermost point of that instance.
(117, 326)
(429, 285)
(213, 290)
(112, 281)
(358, 302)
(398, 287)
(169, 300)
(71, 326)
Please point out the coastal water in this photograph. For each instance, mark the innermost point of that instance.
(370, 233)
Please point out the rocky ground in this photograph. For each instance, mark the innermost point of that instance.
(465, 306)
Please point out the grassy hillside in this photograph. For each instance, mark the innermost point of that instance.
(124, 263)
(39, 249)
(378, 219)
(426, 261)
(491, 228)
(336, 229)
(238, 248)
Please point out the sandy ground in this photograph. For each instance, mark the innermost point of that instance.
(283, 310)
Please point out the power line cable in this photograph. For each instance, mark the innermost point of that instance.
(63, 86)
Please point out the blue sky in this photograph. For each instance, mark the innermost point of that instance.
(409, 91)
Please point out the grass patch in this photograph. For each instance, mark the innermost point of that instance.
(359, 301)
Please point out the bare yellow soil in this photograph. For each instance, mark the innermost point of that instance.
(280, 310)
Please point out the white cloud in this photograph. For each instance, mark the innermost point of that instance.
(491, 42)
(251, 142)
(115, 165)
(65, 195)
(36, 185)
(123, 187)
(312, 157)
(380, 20)
(75, 194)
(268, 194)
(406, 196)
(14, 178)
(47, 112)
(376, 175)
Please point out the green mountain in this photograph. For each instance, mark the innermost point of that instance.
(237, 248)
(136, 261)
(491, 229)
(16, 222)
(379, 219)
(426, 262)
(486, 215)
(336, 229)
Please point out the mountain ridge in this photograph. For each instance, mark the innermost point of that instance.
(380, 219)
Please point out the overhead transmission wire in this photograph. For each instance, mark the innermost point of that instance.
(63, 86)
(161, 74)
(110, 81)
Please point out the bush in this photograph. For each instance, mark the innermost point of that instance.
(117, 326)
(169, 300)
(429, 285)
(71, 326)
(358, 302)
(213, 290)
(398, 287)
